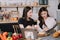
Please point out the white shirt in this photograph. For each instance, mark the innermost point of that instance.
(50, 22)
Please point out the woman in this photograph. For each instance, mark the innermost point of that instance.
(45, 22)
(26, 19)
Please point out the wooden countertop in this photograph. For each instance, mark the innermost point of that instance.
(8, 22)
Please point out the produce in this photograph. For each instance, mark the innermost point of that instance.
(3, 36)
(56, 34)
(20, 36)
(9, 36)
(15, 36)
(13, 19)
(59, 31)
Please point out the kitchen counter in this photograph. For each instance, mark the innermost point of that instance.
(46, 38)
(50, 38)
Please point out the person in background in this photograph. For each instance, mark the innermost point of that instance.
(45, 22)
(26, 21)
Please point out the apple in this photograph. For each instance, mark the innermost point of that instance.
(15, 36)
(20, 36)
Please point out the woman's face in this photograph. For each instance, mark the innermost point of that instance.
(44, 14)
(29, 14)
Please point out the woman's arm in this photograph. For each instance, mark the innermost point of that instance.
(21, 26)
(46, 28)
(20, 22)
(38, 27)
(51, 25)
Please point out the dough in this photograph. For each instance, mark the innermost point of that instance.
(28, 27)
(41, 34)
(56, 34)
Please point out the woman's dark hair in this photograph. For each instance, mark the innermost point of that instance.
(25, 10)
(40, 17)
(0, 8)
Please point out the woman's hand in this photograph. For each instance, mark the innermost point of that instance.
(36, 27)
(21, 26)
(29, 27)
(46, 29)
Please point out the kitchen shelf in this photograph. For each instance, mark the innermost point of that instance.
(1, 22)
(35, 6)
(23, 6)
(8, 6)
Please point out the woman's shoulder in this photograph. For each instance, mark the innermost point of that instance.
(51, 19)
(20, 19)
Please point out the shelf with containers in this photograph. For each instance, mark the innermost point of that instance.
(7, 16)
(24, 3)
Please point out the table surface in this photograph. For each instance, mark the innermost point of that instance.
(50, 38)
(46, 38)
